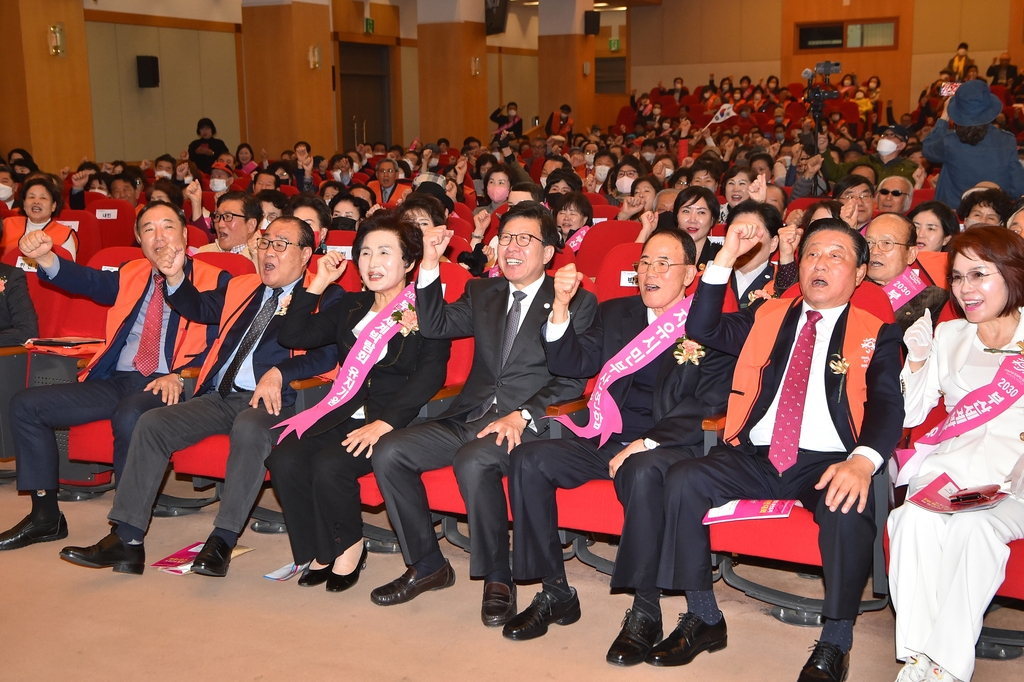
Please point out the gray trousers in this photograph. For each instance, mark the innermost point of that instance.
(161, 432)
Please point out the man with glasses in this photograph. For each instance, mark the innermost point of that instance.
(886, 161)
(892, 240)
(245, 367)
(236, 225)
(387, 179)
(661, 405)
(501, 405)
(861, 192)
(895, 194)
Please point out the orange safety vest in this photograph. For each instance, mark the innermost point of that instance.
(135, 275)
(14, 230)
(862, 329)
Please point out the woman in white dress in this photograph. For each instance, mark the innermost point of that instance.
(945, 568)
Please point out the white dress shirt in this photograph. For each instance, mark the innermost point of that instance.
(744, 280)
(427, 277)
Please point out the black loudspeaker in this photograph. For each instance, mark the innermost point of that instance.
(149, 71)
(591, 23)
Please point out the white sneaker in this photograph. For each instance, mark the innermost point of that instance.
(938, 674)
(916, 669)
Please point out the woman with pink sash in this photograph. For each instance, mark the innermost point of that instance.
(945, 568)
(388, 372)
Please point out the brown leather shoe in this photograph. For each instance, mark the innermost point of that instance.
(408, 586)
(499, 604)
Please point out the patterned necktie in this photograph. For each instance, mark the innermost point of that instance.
(511, 329)
(256, 329)
(790, 414)
(147, 357)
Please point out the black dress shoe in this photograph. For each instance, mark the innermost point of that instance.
(409, 586)
(638, 636)
(499, 605)
(691, 637)
(827, 663)
(545, 609)
(312, 577)
(110, 552)
(340, 583)
(28, 532)
(213, 558)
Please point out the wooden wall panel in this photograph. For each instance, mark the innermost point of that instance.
(348, 17)
(454, 101)
(562, 81)
(409, 76)
(15, 130)
(520, 84)
(311, 88)
(1016, 37)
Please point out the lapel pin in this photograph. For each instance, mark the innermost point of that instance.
(546, 306)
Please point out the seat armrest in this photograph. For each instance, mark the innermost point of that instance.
(312, 382)
(567, 406)
(189, 373)
(13, 350)
(447, 392)
(716, 423)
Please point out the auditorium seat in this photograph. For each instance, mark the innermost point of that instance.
(601, 239)
(116, 221)
(88, 229)
(616, 277)
(234, 263)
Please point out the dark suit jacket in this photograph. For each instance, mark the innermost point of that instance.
(684, 395)
(993, 74)
(933, 298)
(102, 286)
(206, 307)
(743, 297)
(883, 410)
(18, 321)
(525, 381)
(413, 370)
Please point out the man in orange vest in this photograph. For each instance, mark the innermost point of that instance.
(146, 344)
(245, 366)
(816, 409)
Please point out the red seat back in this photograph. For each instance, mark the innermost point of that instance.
(601, 239)
(196, 237)
(802, 204)
(868, 296)
(596, 199)
(116, 221)
(605, 211)
(85, 225)
(616, 277)
(234, 263)
(289, 190)
(463, 212)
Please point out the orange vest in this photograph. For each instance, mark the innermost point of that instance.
(862, 328)
(936, 267)
(14, 230)
(190, 340)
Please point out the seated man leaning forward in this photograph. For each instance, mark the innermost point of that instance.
(661, 404)
(246, 366)
(501, 405)
(815, 411)
(135, 369)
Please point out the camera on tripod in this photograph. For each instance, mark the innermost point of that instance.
(816, 94)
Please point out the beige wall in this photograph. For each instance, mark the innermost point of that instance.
(520, 29)
(197, 78)
(410, 95)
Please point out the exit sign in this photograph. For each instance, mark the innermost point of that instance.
(613, 45)
(368, 25)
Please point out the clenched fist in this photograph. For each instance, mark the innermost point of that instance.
(567, 281)
(38, 246)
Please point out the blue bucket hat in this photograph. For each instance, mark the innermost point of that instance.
(973, 104)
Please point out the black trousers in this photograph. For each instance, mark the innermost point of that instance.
(693, 487)
(400, 457)
(316, 481)
(541, 467)
(37, 411)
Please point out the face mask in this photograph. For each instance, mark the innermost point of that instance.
(218, 184)
(648, 157)
(601, 173)
(679, 86)
(343, 223)
(6, 192)
(886, 146)
(162, 174)
(100, 190)
(401, 175)
(498, 194)
(336, 175)
(668, 173)
(544, 181)
(778, 119)
(588, 159)
(657, 113)
(188, 180)
(744, 114)
(666, 126)
(497, 155)
(512, 113)
(786, 160)
(624, 185)
(432, 163)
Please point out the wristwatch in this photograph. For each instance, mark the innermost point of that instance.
(650, 444)
(525, 414)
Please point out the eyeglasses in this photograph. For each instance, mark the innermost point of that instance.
(862, 196)
(523, 239)
(386, 171)
(279, 245)
(570, 213)
(974, 278)
(224, 217)
(659, 266)
(884, 245)
(628, 173)
(895, 192)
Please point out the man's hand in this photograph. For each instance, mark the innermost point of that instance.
(80, 179)
(740, 238)
(425, 160)
(648, 223)
(631, 449)
(789, 242)
(38, 246)
(194, 193)
(848, 213)
(328, 269)
(795, 217)
(684, 127)
(181, 171)
(813, 166)
(145, 164)
(920, 175)
(170, 261)
(435, 243)
(168, 387)
(365, 437)
(631, 205)
(567, 282)
(758, 189)
(510, 427)
(269, 391)
(822, 142)
(847, 482)
(481, 221)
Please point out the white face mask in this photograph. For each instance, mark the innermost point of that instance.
(100, 190)
(544, 181)
(336, 175)
(162, 174)
(432, 163)
(624, 185)
(218, 184)
(648, 157)
(497, 156)
(401, 175)
(187, 180)
(601, 173)
(512, 113)
(588, 159)
(668, 172)
(6, 192)
(787, 161)
(886, 146)
(264, 225)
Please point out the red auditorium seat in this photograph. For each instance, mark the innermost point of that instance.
(601, 239)
(616, 266)
(603, 212)
(234, 263)
(90, 234)
(116, 221)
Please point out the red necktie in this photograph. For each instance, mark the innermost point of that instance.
(790, 414)
(147, 357)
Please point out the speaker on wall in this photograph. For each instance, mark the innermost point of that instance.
(591, 23)
(149, 71)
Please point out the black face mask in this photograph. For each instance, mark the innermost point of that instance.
(343, 223)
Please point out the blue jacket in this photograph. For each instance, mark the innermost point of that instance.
(963, 166)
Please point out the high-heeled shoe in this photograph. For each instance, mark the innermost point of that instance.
(315, 576)
(340, 583)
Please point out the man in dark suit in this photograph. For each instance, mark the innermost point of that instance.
(135, 370)
(246, 366)
(501, 405)
(1002, 72)
(753, 270)
(815, 411)
(18, 321)
(662, 406)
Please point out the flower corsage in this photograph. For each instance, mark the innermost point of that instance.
(282, 305)
(688, 350)
(407, 318)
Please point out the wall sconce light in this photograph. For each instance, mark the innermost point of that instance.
(586, 68)
(314, 56)
(474, 66)
(57, 41)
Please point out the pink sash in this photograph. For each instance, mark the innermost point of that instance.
(658, 336)
(507, 126)
(576, 239)
(495, 271)
(357, 365)
(902, 289)
(975, 409)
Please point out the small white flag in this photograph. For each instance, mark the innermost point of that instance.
(726, 111)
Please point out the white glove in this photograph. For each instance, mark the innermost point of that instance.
(1016, 479)
(918, 338)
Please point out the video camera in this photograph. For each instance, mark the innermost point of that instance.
(816, 95)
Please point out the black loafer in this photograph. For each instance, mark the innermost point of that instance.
(340, 583)
(827, 664)
(110, 552)
(27, 532)
(312, 577)
(499, 604)
(409, 586)
(691, 637)
(213, 559)
(545, 609)
(638, 636)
